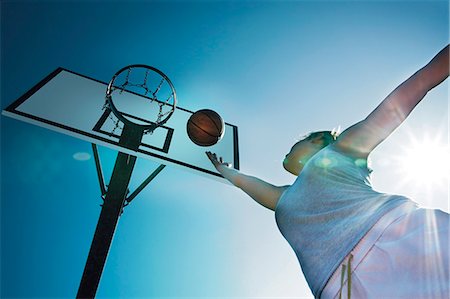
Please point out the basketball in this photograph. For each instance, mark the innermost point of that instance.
(205, 127)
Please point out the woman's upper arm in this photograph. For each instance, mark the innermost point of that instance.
(262, 192)
(361, 138)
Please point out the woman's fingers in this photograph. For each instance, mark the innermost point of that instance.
(216, 161)
(212, 157)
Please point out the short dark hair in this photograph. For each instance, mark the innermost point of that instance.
(328, 137)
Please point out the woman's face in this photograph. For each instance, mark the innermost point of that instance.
(300, 154)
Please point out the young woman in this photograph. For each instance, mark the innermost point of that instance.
(350, 239)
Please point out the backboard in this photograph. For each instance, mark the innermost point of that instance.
(73, 104)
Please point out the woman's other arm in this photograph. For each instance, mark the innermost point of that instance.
(361, 138)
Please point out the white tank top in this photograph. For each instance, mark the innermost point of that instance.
(327, 210)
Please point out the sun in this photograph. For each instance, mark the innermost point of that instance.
(426, 162)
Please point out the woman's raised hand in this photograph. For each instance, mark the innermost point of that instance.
(217, 161)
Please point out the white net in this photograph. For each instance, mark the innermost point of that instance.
(141, 95)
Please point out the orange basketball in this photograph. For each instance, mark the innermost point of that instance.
(205, 127)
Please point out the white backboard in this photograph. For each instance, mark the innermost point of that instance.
(73, 104)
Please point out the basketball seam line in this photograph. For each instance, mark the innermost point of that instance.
(213, 121)
(203, 129)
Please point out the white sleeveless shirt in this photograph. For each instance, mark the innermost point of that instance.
(327, 210)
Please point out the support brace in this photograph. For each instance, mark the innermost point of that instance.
(101, 179)
(98, 166)
(144, 183)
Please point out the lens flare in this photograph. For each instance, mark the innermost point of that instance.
(81, 156)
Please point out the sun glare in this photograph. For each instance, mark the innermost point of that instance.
(426, 162)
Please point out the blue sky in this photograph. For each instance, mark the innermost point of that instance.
(276, 69)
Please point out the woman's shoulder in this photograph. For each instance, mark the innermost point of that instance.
(361, 161)
(333, 155)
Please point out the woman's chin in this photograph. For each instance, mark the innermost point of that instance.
(295, 170)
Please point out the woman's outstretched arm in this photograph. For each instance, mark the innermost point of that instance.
(262, 192)
(361, 138)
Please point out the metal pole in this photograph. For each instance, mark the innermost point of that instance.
(112, 208)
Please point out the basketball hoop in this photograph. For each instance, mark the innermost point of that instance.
(150, 85)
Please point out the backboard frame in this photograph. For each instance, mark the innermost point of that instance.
(157, 155)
